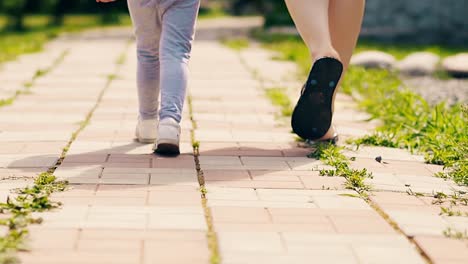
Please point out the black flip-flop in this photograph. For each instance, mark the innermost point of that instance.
(312, 116)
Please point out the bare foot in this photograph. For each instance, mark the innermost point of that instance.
(326, 52)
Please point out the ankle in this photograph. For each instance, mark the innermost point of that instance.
(325, 52)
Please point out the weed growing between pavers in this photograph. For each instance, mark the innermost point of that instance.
(279, 98)
(16, 213)
(18, 209)
(440, 132)
(331, 155)
(454, 234)
(237, 44)
(27, 86)
(459, 199)
(215, 257)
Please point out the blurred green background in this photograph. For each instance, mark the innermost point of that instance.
(423, 21)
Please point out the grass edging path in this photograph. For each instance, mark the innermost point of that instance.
(440, 132)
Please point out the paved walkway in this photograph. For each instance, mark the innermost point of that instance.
(265, 202)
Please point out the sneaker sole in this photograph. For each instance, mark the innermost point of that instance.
(167, 149)
(312, 116)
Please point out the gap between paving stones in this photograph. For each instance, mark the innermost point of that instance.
(397, 228)
(363, 194)
(50, 181)
(211, 234)
(38, 74)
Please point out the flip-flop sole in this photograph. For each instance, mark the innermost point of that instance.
(312, 116)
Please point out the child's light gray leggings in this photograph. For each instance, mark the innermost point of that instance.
(164, 31)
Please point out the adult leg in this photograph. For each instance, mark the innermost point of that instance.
(311, 19)
(345, 19)
(147, 26)
(178, 27)
(329, 28)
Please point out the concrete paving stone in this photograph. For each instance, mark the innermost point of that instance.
(214, 160)
(408, 167)
(76, 257)
(361, 225)
(244, 242)
(139, 234)
(256, 184)
(21, 172)
(440, 249)
(44, 147)
(12, 147)
(370, 164)
(173, 198)
(108, 245)
(89, 147)
(340, 202)
(169, 252)
(262, 204)
(121, 201)
(181, 171)
(110, 178)
(127, 165)
(57, 239)
(78, 171)
(165, 178)
(28, 160)
(389, 198)
(238, 194)
(418, 223)
(384, 152)
(177, 222)
(222, 175)
(86, 158)
(287, 176)
(310, 239)
(240, 215)
(323, 182)
(375, 254)
(128, 190)
(273, 227)
(125, 158)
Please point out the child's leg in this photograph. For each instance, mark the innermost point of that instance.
(178, 27)
(147, 25)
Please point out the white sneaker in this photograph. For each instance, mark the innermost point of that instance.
(146, 130)
(168, 137)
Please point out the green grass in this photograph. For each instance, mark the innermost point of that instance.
(408, 121)
(279, 98)
(401, 50)
(212, 13)
(237, 43)
(332, 155)
(17, 213)
(291, 48)
(39, 31)
(440, 132)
